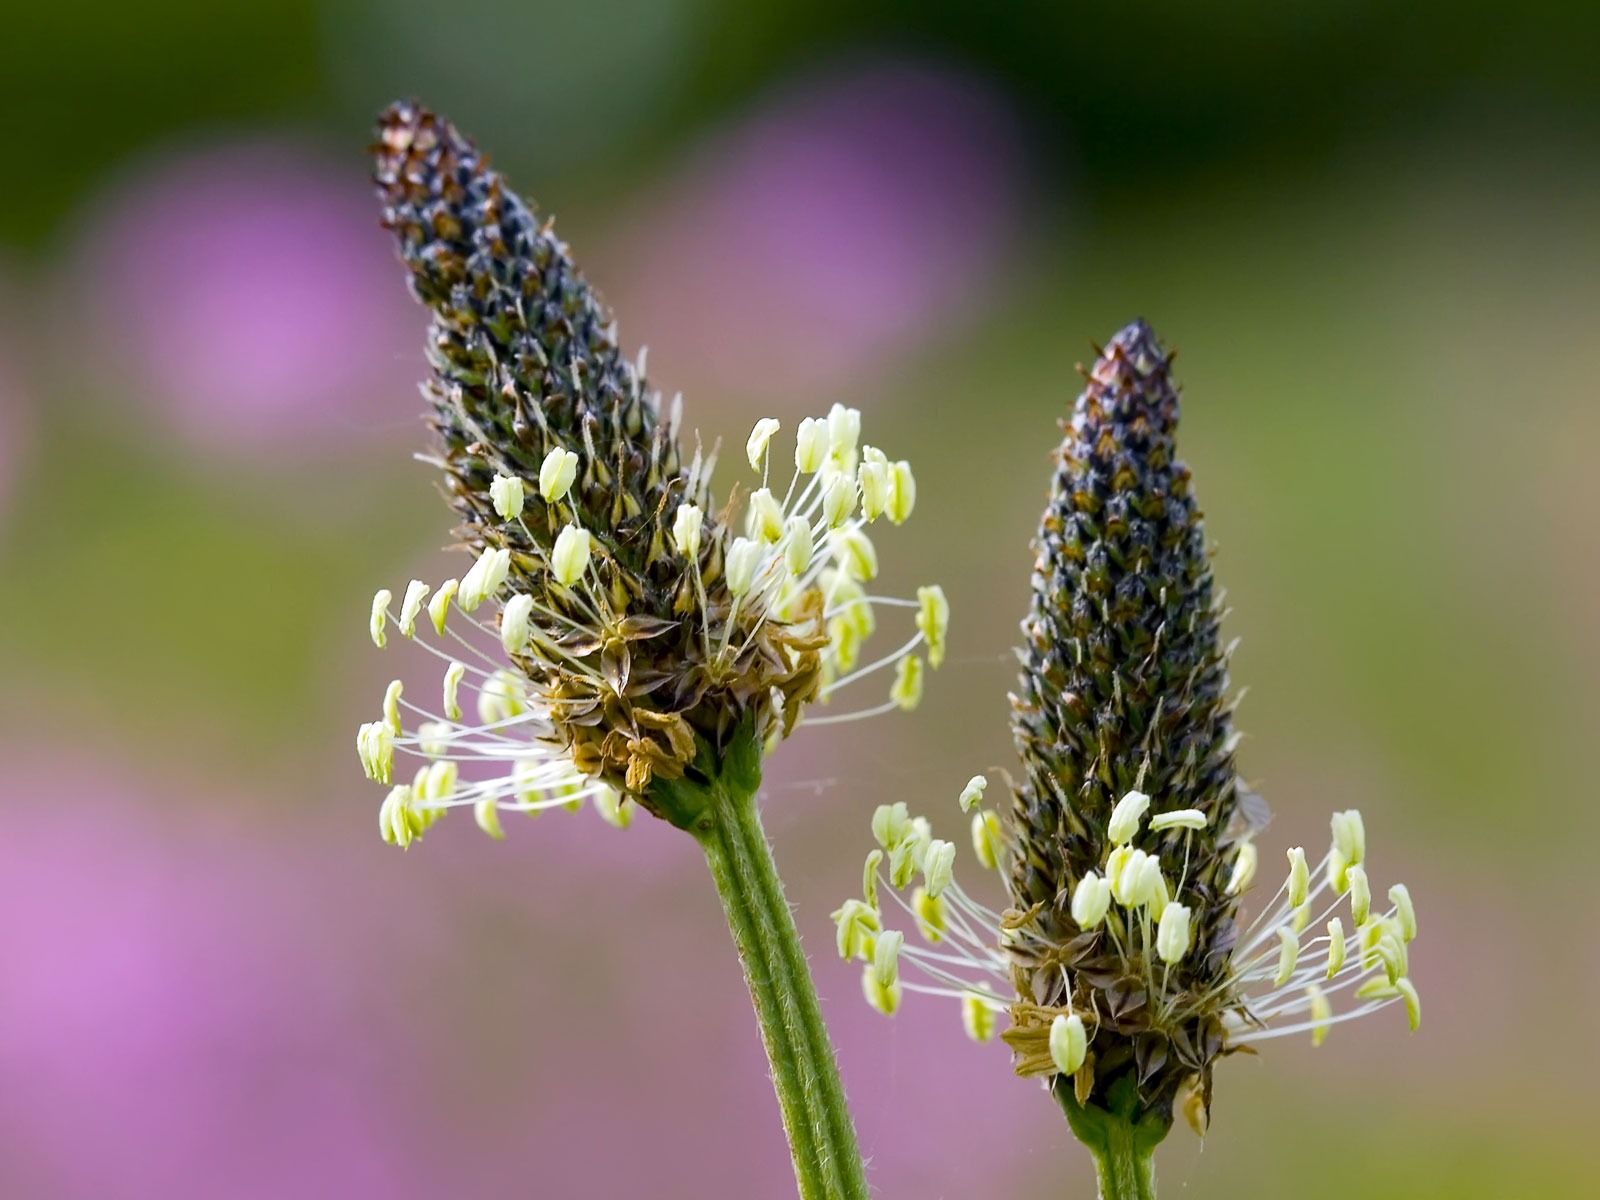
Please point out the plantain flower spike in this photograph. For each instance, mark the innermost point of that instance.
(617, 632)
(1128, 848)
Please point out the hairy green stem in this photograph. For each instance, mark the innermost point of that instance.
(1122, 1139)
(719, 809)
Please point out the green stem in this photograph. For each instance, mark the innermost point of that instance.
(720, 812)
(1121, 1138)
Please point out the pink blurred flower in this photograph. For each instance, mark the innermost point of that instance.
(195, 1008)
(247, 291)
(184, 1012)
(852, 216)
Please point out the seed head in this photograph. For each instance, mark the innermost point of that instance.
(1121, 961)
(1123, 707)
(636, 633)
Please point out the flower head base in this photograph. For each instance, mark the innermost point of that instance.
(1130, 842)
(636, 631)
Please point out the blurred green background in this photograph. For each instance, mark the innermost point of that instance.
(1369, 229)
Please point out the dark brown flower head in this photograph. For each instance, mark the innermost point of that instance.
(1124, 689)
(643, 632)
(1121, 963)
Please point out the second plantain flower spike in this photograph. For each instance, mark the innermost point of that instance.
(1122, 962)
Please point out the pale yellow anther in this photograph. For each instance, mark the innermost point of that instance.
(939, 866)
(844, 431)
(972, 794)
(686, 527)
(1069, 1043)
(1336, 947)
(755, 448)
(856, 927)
(1244, 868)
(1172, 936)
(439, 606)
(1091, 900)
(886, 957)
(854, 552)
(556, 474)
(530, 778)
(933, 621)
(811, 445)
(380, 616)
(930, 913)
(1321, 1014)
(902, 491)
(986, 839)
(1181, 818)
(1360, 893)
(1392, 953)
(1413, 1002)
(1367, 937)
(902, 863)
(977, 1018)
(869, 878)
(885, 999)
(614, 808)
(739, 566)
(516, 622)
(1125, 817)
(764, 519)
(437, 781)
(391, 706)
(1144, 883)
(1377, 988)
(921, 838)
(798, 546)
(1160, 897)
(394, 817)
(891, 824)
(569, 559)
(573, 790)
(907, 690)
(453, 675)
(484, 578)
(508, 496)
(1117, 862)
(375, 747)
(487, 815)
(1349, 836)
(433, 738)
(1299, 885)
(500, 698)
(838, 500)
(1400, 897)
(873, 476)
(1133, 883)
(1336, 872)
(416, 590)
(1288, 954)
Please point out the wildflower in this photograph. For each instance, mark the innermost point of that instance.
(1122, 961)
(631, 642)
(637, 632)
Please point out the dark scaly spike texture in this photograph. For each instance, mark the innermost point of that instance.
(1124, 687)
(524, 353)
(525, 360)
